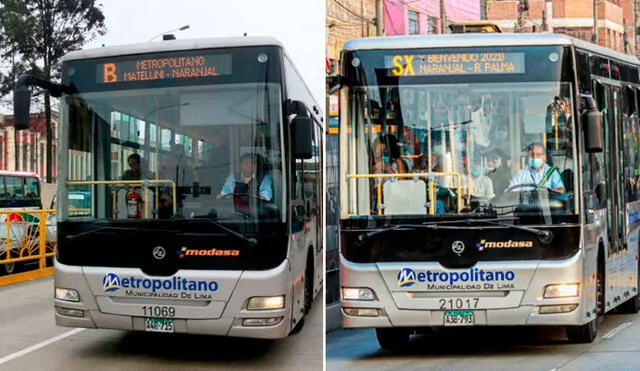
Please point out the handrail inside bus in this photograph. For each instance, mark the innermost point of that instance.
(144, 183)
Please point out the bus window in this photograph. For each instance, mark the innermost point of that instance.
(15, 187)
(33, 188)
(20, 191)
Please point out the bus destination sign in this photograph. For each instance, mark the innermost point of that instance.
(164, 68)
(454, 64)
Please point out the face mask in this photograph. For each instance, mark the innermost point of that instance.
(475, 171)
(501, 135)
(386, 159)
(535, 162)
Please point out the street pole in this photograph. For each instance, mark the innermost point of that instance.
(635, 26)
(594, 36)
(379, 18)
(176, 29)
(443, 16)
(547, 15)
(519, 18)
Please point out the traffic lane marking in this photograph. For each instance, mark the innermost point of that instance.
(40, 345)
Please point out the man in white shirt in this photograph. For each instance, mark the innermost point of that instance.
(481, 186)
(537, 172)
(250, 180)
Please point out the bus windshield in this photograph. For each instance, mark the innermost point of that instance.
(201, 142)
(503, 147)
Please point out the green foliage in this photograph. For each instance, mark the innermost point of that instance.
(36, 34)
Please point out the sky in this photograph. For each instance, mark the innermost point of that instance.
(298, 24)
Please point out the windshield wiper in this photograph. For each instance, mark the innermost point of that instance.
(425, 225)
(73, 236)
(248, 240)
(544, 236)
(364, 236)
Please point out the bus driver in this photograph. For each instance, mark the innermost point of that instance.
(251, 178)
(537, 172)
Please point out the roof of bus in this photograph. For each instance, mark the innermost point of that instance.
(18, 173)
(171, 45)
(479, 40)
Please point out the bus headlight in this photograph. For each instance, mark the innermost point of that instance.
(67, 295)
(266, 302)
(357, 293)
(562, 291)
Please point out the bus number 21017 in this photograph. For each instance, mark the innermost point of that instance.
(458, 303)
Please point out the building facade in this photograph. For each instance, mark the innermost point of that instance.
(423, 16)
(348, 19)
(614, 21)
(26, 150)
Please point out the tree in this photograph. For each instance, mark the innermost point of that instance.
(36, 34)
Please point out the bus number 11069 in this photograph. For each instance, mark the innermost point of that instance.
(158, 311)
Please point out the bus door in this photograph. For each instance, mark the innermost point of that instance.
(609, 101)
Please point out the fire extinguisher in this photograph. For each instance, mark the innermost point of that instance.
(133, 204)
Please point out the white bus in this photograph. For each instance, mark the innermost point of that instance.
(19, 190)
(204, 211)
(488, 180)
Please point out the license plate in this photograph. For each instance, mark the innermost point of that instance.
(158, 325)
(459, 319)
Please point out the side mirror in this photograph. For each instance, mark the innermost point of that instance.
(21, 107)
(302, 130)
(592, 126)
(334, 83)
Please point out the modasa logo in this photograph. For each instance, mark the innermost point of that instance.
(185, 251)
(484, 244)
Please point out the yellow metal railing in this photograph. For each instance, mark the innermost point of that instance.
(143, 183)
(29, 237)
(432, 191)
(23, 239)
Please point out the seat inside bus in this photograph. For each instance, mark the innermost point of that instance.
(400, 197)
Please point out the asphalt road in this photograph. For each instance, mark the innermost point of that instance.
(616, 348)
(30, 340)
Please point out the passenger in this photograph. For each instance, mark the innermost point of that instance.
(213, 171)
(135, 169)
(538, 172)
(498, 170)
(386, 160)
(480, 184)
(386, 156)
(176, 168)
